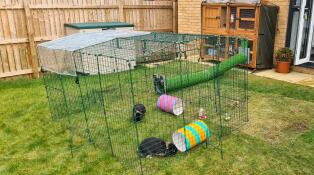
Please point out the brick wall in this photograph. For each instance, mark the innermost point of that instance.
(282, 22)
(189, 18)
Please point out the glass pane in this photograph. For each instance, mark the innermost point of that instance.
(247, 13)
(246, 24)
(296, 3)
(312, 50)
(306, 28)
(294, 29)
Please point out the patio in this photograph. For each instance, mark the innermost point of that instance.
(292, 77)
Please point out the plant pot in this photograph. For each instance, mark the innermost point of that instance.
(283, 67)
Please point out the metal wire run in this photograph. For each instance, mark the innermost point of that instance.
(151, 95)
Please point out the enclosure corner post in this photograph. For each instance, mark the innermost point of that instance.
(90, 136)
(246, 84)
(103, 104)
(181, 92)
(133, 103)
(68, 116)
(218, 107)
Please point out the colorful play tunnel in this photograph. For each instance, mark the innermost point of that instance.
(191, 135)
(170, 104)
(164, 84)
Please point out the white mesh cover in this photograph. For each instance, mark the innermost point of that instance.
(57, 55)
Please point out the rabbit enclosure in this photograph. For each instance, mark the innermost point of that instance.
(92, 91)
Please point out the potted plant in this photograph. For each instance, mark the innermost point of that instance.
(284, 58)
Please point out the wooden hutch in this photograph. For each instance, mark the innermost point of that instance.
(256, 22)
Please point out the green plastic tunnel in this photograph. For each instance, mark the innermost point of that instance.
(164, 84)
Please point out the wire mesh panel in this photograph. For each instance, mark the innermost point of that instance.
(247, 18)
(149, 99)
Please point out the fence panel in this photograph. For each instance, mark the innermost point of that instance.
(26, 23)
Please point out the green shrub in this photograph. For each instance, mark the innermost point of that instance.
(284, 55)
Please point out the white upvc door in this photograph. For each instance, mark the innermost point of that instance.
(305, 33)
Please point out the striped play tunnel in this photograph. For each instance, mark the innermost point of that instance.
(170, 104)
(191, 135)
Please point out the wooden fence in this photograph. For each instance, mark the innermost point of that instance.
(25, 23)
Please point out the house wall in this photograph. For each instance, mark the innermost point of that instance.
(282, 22)
(189, 18)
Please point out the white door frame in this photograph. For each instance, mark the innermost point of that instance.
(297, 59)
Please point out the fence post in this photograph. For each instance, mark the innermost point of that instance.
(121, 12)
(174, 16)
(32, 46)
(141, 16)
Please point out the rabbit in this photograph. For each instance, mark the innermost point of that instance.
(156, 147)
(139, 111)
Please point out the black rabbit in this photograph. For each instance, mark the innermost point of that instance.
(139, 111)
(156, 147)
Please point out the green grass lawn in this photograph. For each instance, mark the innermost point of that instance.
(278, 139)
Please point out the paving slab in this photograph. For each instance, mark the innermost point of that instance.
(292, 77)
